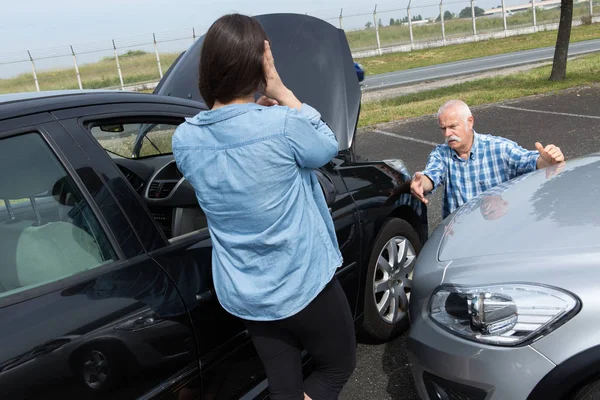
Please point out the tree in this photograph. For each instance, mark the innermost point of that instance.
(466, 12)
(392, 21)
(368, 25)
(561, 51)
(380, 23)
(447, 16)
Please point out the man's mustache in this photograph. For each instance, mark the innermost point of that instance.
(453, 137)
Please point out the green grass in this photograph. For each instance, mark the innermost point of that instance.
(399, 34)
(135, 68)
(421, 58)
(580, 72)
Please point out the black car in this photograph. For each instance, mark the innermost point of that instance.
(105, 256)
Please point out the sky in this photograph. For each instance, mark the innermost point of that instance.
(47, 28)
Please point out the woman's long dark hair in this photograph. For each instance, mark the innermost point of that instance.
(231, 59)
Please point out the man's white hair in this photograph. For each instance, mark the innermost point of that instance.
(460, 106)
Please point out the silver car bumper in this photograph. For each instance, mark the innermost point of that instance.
(447, 367)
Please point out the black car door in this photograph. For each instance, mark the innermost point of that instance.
(85, 312)
(229, 365)
(347, 229)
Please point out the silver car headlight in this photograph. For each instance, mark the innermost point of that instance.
(506, 315)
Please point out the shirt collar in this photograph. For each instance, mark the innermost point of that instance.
(474, 148)
(220, 114)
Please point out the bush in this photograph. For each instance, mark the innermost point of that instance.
(586, 20)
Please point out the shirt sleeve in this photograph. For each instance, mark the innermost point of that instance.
(520, 161)
(436, 168)
(311, 140)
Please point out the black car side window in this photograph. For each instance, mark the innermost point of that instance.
(47, 229)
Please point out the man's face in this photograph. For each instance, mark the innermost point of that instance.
(456, 131)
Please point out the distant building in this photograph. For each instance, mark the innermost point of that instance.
(543, 4)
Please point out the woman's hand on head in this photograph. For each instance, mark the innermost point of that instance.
(275, 89)
(266, 101)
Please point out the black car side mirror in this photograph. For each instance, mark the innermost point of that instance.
(328, 187)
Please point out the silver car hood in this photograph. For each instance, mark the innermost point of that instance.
(542, 213)
(313, 59)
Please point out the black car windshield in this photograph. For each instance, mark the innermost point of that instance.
(135, 140)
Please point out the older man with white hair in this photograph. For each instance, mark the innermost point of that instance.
(469, 163)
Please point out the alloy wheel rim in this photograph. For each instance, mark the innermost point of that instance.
(95, 369)
(392, 280)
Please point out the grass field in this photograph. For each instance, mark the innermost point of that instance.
(421, 58)
(580, 72)
(399, 34)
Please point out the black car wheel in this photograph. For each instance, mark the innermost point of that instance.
(389, 279)
(589, 392)
(100, 368)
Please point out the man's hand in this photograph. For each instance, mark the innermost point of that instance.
(549, 155)
(417, 189)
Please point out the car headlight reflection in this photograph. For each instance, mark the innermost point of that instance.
(507, 314)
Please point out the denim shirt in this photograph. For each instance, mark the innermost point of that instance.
(252, 167)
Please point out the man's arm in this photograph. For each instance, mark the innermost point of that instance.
(433, 175)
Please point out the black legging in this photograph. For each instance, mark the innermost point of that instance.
(324, 328)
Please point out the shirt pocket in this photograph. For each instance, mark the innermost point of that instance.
(486, 183)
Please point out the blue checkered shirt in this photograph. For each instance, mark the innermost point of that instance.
(492, 160)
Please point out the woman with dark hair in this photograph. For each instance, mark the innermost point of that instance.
(275, 250)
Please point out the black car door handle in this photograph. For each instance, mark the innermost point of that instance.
(205, 296)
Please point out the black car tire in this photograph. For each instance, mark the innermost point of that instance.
(589, 392)
(112, 367)
(374, 326)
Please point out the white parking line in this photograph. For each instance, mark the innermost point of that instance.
(550, 112)
(405, 137)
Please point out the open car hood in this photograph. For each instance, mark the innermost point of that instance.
(313, 59)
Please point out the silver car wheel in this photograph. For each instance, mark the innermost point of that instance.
(95, 369)
(393, 279)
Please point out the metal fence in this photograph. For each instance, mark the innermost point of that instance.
(140, 61)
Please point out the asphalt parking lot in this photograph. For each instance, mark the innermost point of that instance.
(570, 120)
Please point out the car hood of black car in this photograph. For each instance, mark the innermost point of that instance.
(537, 212)
(313, 59)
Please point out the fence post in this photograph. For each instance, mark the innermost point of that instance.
(591, 8)
(76, 68)
(377, 29)
(410, 30)
(442, 19)
(504, 18)
(534, 15)
(473, 18)
(157, 56)
(118, 65)
(37, 85)
(341, 19)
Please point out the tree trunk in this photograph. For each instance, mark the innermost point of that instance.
(561, 51)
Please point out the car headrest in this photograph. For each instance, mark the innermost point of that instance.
(28, 167)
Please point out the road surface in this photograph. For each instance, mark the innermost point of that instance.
(476, 65)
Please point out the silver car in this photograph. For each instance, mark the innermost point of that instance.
(505, 301)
